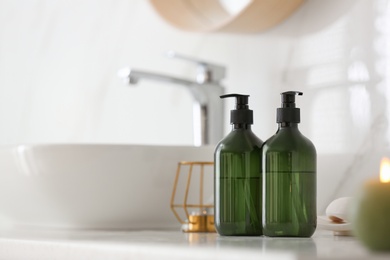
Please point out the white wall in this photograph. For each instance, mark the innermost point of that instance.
(59, 62)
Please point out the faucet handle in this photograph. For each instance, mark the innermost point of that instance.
(207, 72)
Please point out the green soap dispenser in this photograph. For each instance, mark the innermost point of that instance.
(289, 176)
(237, 183)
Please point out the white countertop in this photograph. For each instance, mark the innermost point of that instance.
(62, 244)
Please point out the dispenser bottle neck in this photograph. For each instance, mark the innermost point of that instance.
(288, 125)
(241, 127)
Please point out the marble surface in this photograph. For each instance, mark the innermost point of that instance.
(163, 244)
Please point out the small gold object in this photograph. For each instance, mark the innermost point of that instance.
(199, 221)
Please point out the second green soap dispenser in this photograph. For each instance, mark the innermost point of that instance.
(237, 176)
(289, 176)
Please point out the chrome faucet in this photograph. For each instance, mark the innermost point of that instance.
(208, 112)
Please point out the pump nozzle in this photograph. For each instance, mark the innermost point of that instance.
(241, 100)
(241, 114)
(288, 113)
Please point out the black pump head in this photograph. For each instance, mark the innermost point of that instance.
(288, 98)
(288, 113)
(241, 114)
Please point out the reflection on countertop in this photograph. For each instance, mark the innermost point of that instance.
(164, 244)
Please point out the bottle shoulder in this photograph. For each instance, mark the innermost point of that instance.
(240, 140)
(289, 139)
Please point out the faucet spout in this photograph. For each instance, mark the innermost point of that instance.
(135, 75)
(207, 107)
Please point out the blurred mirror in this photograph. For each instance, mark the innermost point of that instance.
(233, 16)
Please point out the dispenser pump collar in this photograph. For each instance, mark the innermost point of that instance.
(241, 114)
(288, 113)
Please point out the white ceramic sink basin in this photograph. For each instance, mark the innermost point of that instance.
(91, 186)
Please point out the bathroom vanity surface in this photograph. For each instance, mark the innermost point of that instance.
(66, 244)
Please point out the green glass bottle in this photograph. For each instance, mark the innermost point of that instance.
(289, 177)
(238, 183)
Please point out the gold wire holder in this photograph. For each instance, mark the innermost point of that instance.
(201, 222)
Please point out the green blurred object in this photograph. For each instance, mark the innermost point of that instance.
(237, 176)
(371, 216)
(289, 177)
